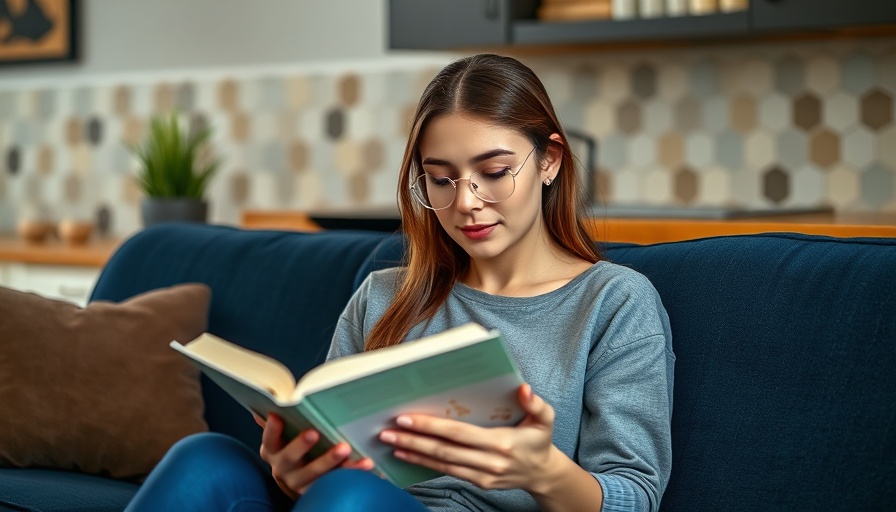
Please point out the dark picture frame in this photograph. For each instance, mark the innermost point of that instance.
(38, 31)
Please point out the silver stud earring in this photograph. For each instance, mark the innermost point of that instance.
(548, 182)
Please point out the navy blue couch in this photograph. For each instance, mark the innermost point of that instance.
(786, 346)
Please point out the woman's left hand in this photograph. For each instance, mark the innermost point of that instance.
(490, 458)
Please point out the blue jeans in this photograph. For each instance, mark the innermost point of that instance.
(213, 472)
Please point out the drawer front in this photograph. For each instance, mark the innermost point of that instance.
(4, 275)
(68, 283)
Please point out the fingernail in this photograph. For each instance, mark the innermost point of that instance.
(388, 437)
(310, 436)
(399, 454)
(404, 421)
(343, 450)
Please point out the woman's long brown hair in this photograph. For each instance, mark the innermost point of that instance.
(506, 92)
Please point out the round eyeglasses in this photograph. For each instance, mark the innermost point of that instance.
(438, 192)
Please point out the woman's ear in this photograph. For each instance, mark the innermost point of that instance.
(553, 158)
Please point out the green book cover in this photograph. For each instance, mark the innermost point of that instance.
(464, 373)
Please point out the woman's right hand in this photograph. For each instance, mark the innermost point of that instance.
(289, 465)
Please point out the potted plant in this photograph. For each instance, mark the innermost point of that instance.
(175, 169)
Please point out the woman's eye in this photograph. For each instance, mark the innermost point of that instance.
(439, 181)
(496, 175)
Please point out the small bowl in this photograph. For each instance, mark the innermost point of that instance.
(75, 232)
(34, 231)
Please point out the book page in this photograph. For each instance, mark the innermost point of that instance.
(251, 367)
(338, 371)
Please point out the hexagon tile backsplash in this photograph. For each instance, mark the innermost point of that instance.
(787, 124)
(795, 124)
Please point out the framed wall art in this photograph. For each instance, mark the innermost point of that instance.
(33, 31)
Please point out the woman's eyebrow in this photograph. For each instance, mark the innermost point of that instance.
(475, 160)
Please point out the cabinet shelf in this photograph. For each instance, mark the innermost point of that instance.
(534, 32)
(440, 25)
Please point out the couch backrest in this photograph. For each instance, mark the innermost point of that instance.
(279, 293)
(785, 380)
(785, 345)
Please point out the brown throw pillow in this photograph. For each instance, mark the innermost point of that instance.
(98, 389)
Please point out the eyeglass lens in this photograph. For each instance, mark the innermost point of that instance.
(438, 192)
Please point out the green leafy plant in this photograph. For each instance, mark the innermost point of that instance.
(174, 163)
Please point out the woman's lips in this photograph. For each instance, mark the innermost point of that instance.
(478, 231)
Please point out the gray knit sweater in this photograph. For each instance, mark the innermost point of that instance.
(598, 349)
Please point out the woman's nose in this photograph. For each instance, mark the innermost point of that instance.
(465, 200)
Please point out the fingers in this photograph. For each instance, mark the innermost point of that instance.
(272, 436)
(491, 458)
(538, 410)
(485, 475)
(297, 477)
(452, 430)
(411, 447)
(363, 464)
(259, 420)
(332, 458)
(288, 459)
(463, 471)
(274, 448)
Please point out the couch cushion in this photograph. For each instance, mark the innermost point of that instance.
(98, 389)
(275, 292)
(388, 253)
(786, 348)
(62, 491)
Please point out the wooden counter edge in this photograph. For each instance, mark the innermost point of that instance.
(655, 230)
(94, 253)
(278, 219)
(650, 231)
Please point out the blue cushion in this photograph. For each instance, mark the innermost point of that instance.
(388, 253)
(62, 491)
(784, 384)
(275, 292)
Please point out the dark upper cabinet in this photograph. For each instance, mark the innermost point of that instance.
(427, 24)
(820, 14)
(447, 24)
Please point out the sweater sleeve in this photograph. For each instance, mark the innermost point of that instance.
(363, 310)
(348, 337)
(625, 439)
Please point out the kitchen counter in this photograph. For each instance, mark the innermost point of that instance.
(644, 230)
(654, 230)
(94, 253)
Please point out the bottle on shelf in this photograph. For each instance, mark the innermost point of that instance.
(676, 7)
(625, 9)
(698, 7)
(651, 8)
(733, 5)
(574, 10)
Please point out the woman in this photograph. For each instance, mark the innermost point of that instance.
(491, 209)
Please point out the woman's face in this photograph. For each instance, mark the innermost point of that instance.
(457, 145)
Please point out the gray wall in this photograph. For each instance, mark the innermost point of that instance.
(153, 35)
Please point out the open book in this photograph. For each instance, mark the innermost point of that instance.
(463, 373)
